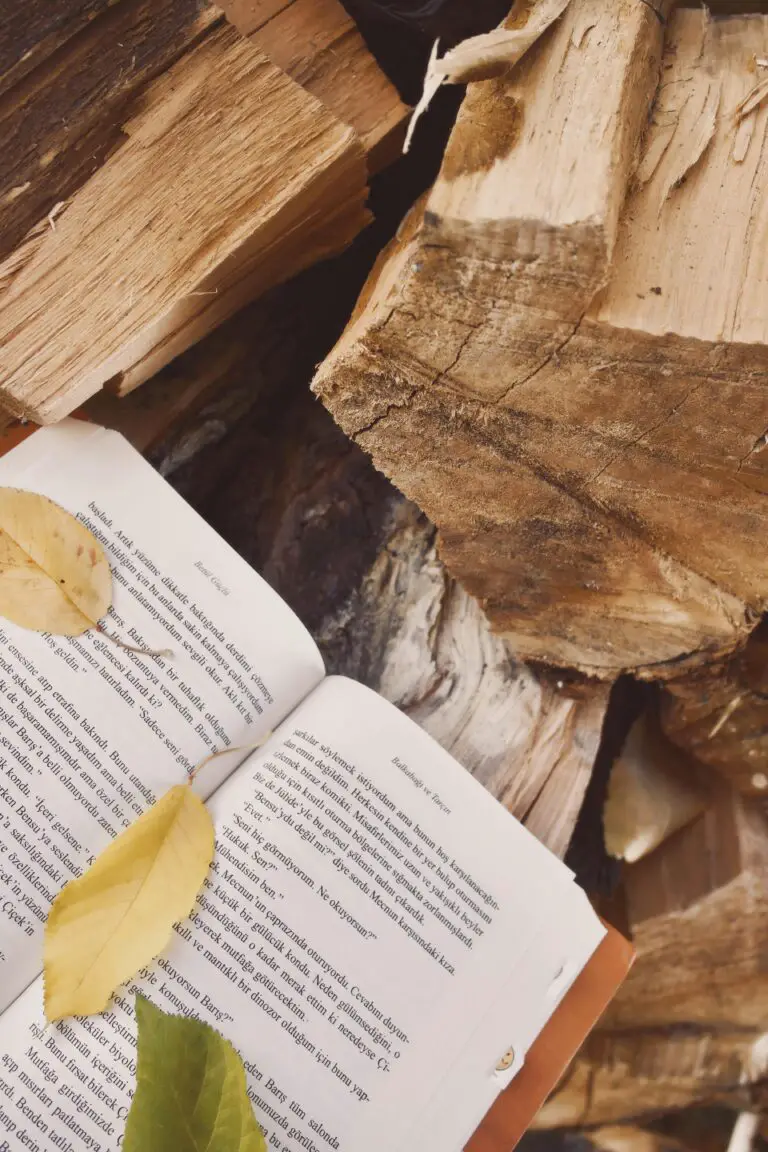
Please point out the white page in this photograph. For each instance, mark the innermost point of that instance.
(544, 974)
(81, 755)
(335, 1007)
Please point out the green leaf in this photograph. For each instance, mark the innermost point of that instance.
(190, 1089)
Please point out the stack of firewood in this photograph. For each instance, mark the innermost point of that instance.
(560, 360)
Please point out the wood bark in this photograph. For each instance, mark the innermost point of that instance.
(580, 410)
(231, 178)
(30, 32)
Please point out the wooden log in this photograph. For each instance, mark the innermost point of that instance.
(623, 1077)
(231, 178)
(61, 122)
(698, 914)
(720, 715)
(30, 32)
(319, 46)
(359, 564)
(692, 1130)
(590, 452)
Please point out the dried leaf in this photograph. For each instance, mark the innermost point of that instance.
(651, 793)
(484, 57)
(54, 574)
(107, 925)
(191, 1093)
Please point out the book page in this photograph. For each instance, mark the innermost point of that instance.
(370, 912)
(91, 734)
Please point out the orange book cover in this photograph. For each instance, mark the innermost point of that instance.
(549, 1056)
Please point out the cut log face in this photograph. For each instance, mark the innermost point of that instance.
(578, 408)
(232, 178)
(653, 791)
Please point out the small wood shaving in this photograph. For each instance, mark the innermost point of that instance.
(752, 101)
(725, 716)
(483, 57)
(54, 212)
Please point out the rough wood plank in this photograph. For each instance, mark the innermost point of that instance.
(596, 471)
(318, 44)
(478, 295)
(720, 716)
(60, 123)
(359, 564)
(249, 179)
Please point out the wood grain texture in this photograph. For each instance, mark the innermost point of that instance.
(319, 46)
(61, 122)
(623, 1077)
(698, 913)
(478, 294)
(587, 440)
(249, 179)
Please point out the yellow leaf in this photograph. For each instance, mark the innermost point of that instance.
(107, 925)
(54, 574)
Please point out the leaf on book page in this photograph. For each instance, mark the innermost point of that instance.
(54, 574)
(190, 1089)
(108, 924)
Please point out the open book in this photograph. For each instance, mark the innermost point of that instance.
(376, 932)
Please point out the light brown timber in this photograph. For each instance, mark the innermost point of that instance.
(318, 44)
(719, 715)
(231, 179)
(698, 914)
(580, 410)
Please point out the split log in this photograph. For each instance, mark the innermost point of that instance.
(621, 1077)
(690, 1024)
(63, 120)
(359, 565)
(698, 914)
(694, 1130)
(318, 45)
(231, 178)
(590, 453)
(654, 789)
(720, 715)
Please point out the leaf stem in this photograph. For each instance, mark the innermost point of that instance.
(154, 652)
(226, 752)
